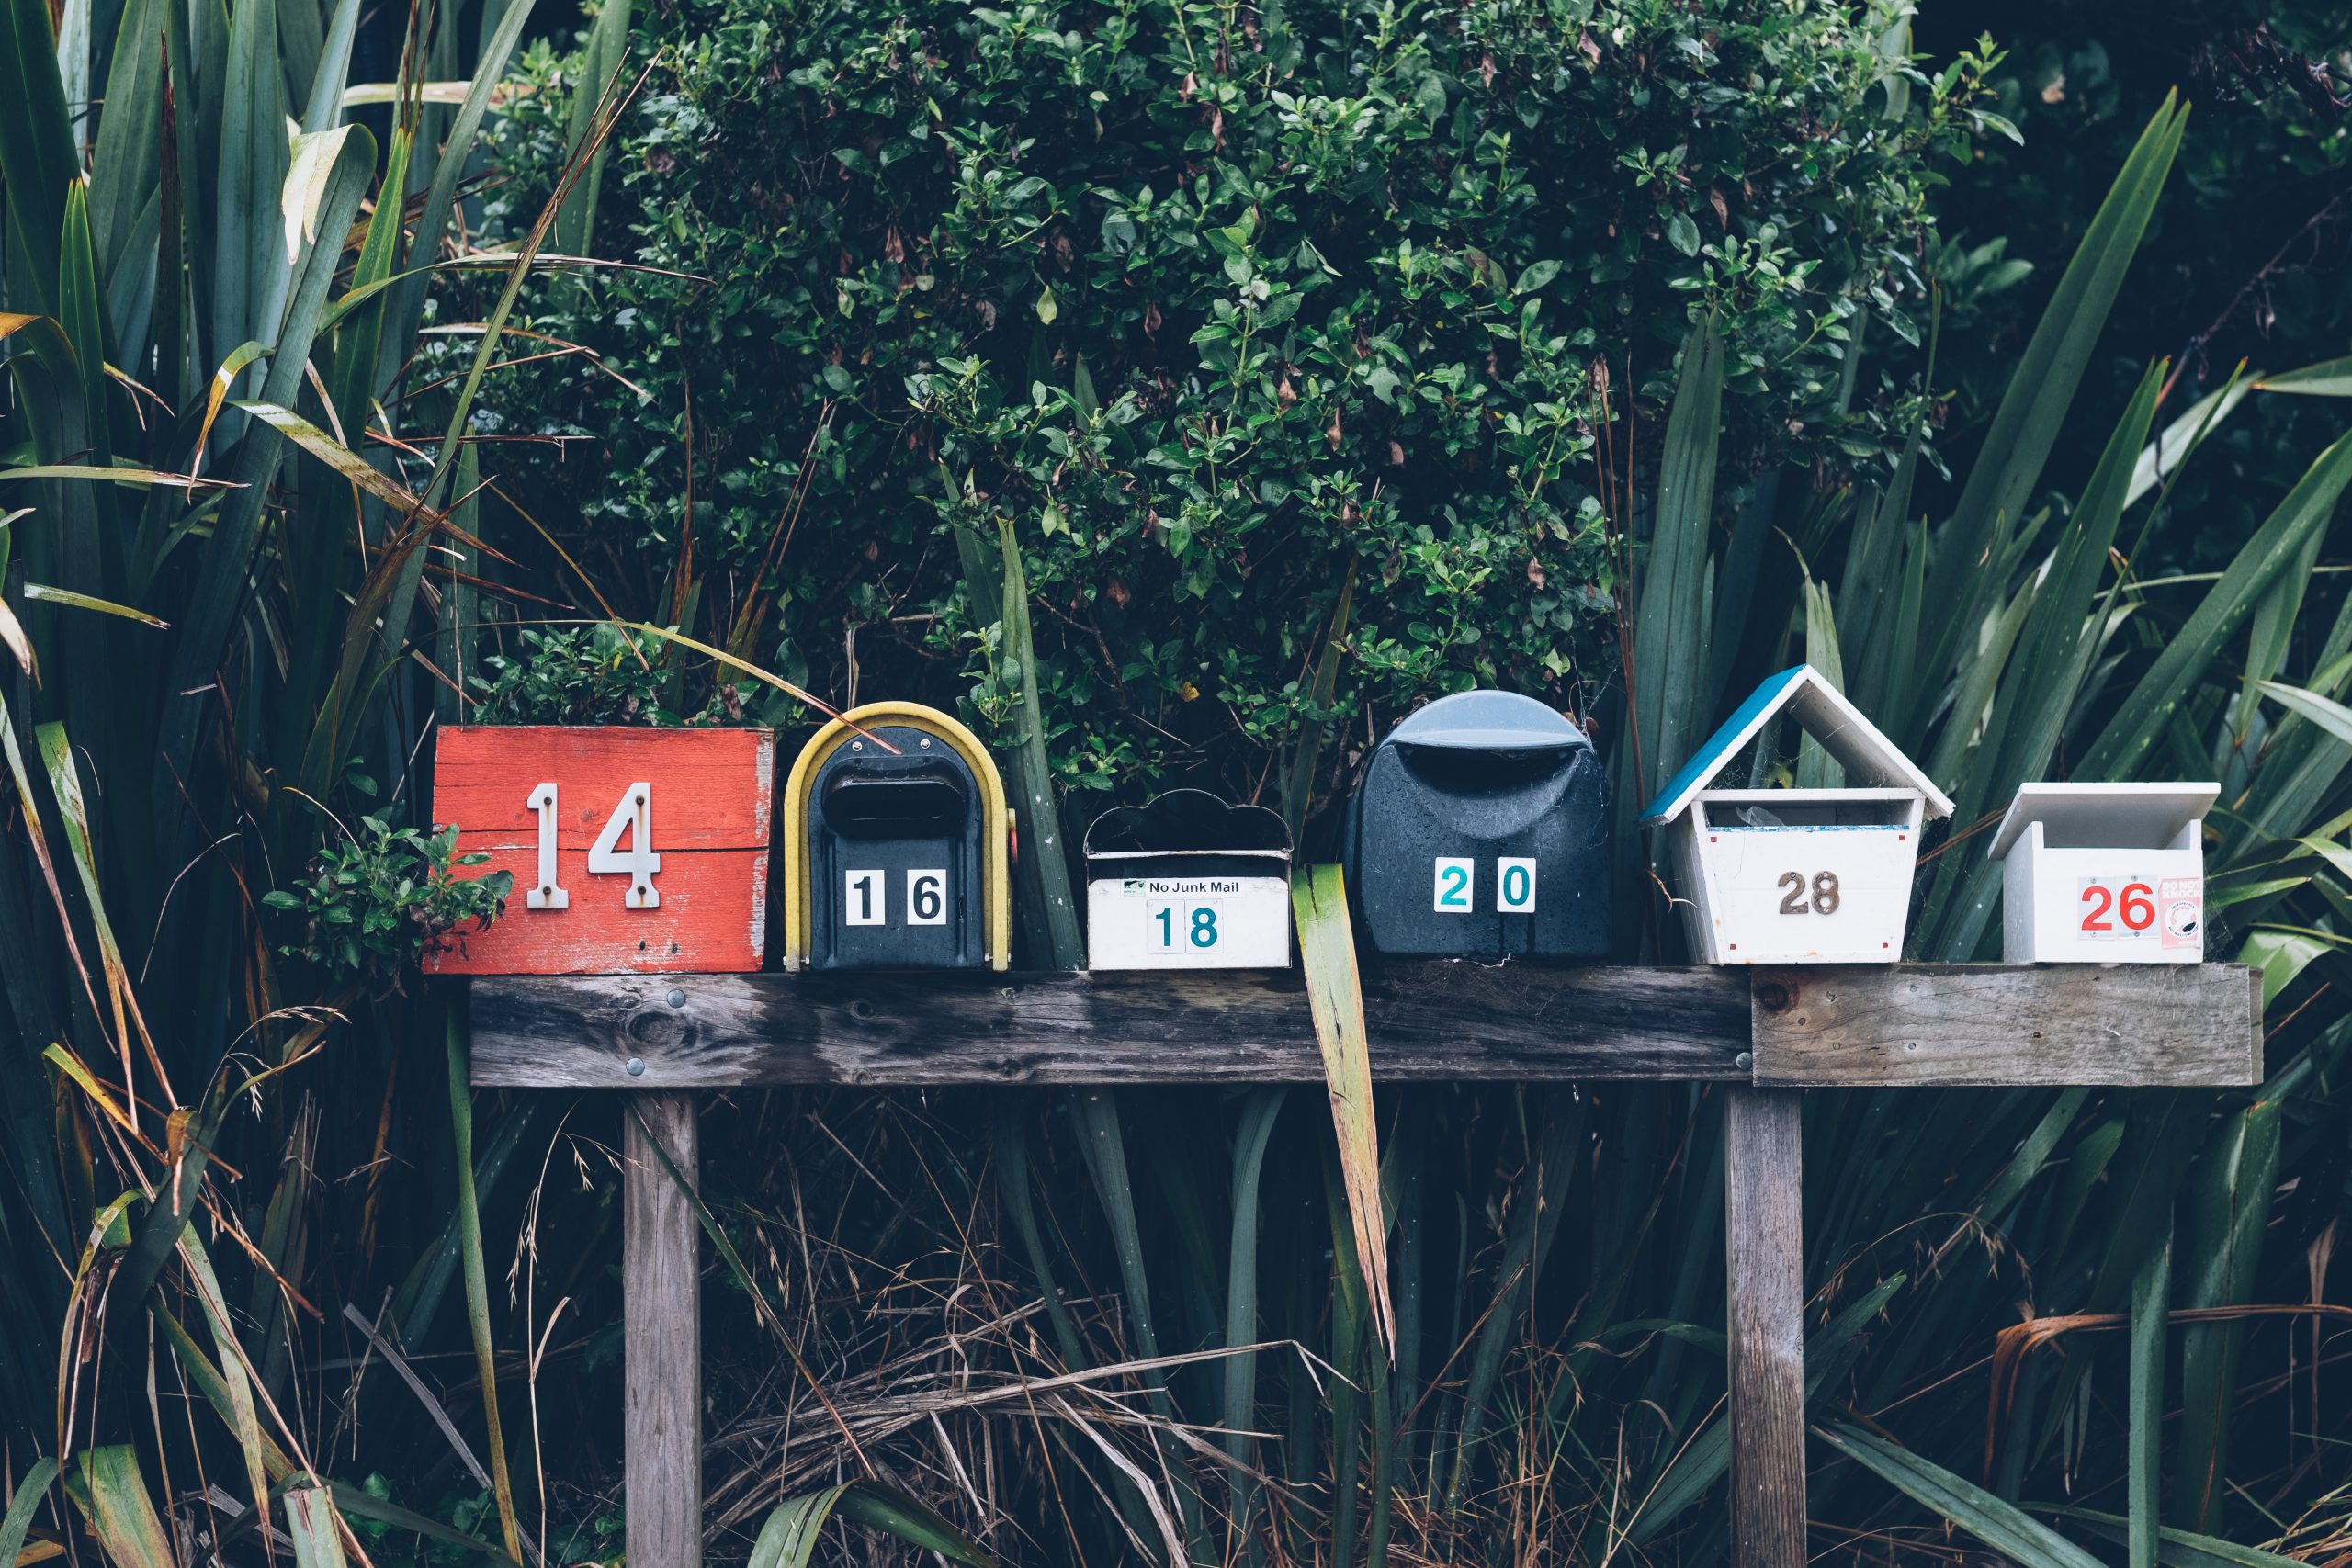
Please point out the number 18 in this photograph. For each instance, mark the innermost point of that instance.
(1202, 934)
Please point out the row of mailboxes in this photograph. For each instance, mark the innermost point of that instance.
(1480, 831)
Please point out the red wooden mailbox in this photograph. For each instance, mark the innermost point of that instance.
(633, 851)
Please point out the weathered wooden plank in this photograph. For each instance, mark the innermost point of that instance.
(1764, 1252)
(1926, 1024)
(1430, 1022)
(661, 1333)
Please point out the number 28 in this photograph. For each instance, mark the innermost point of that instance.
(1824, 893)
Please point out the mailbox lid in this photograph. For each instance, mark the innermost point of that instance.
(1488, 721)
(1184, 821)
(1824, 712)
(2104, 816)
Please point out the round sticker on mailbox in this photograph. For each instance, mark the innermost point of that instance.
(2184, 907)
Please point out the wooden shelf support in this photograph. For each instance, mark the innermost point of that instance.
(1764, 1312)
(1765, 1033)
(661, 1330)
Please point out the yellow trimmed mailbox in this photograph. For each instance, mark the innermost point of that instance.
(2104, 873)
(897, 846)
(1796, 875)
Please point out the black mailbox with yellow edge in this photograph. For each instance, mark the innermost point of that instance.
(1481, 830)
(897, 846)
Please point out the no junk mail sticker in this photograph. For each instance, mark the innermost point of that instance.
(633, 851)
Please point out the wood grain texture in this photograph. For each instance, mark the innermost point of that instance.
(1954, 1024)
(1764, 1253)
(713, 805)
(1428, 1023)
(662, 1334)
(721, 782)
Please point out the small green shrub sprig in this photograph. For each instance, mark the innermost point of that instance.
(373, 905)
(596, 675)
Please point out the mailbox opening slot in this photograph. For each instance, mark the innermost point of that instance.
(1774, 810)
(1462, 770)
(2118, 822)
(930, 803)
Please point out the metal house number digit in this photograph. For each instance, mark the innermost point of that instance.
(1824, 889)
(545, 893)
(633, 816)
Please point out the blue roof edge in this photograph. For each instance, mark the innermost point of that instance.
(1729, 735)
(1874, 750)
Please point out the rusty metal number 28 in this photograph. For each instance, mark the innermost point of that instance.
(1824, 893)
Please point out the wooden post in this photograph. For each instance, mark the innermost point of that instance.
(661, 1332)
(1764, 1248)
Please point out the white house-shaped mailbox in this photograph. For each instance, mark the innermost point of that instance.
(2104, 873)
(1796, 875)
(1188, 882)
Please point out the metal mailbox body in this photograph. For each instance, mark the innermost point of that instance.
(634, 849)
(1481, 830)
(2104, 873)
(897, 846)
(1796, 875)
(1187, 881)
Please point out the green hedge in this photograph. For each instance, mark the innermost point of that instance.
(1210, 301)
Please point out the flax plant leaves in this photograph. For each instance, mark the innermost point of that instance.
(1326, 953)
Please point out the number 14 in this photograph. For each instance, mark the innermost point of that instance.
(639, 863)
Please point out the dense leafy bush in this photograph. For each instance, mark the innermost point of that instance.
(1212, 302)
(373, 905)
(598, 674)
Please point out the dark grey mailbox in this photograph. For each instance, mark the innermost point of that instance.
(1481, 830)
(897, 846)
(1188, 882)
